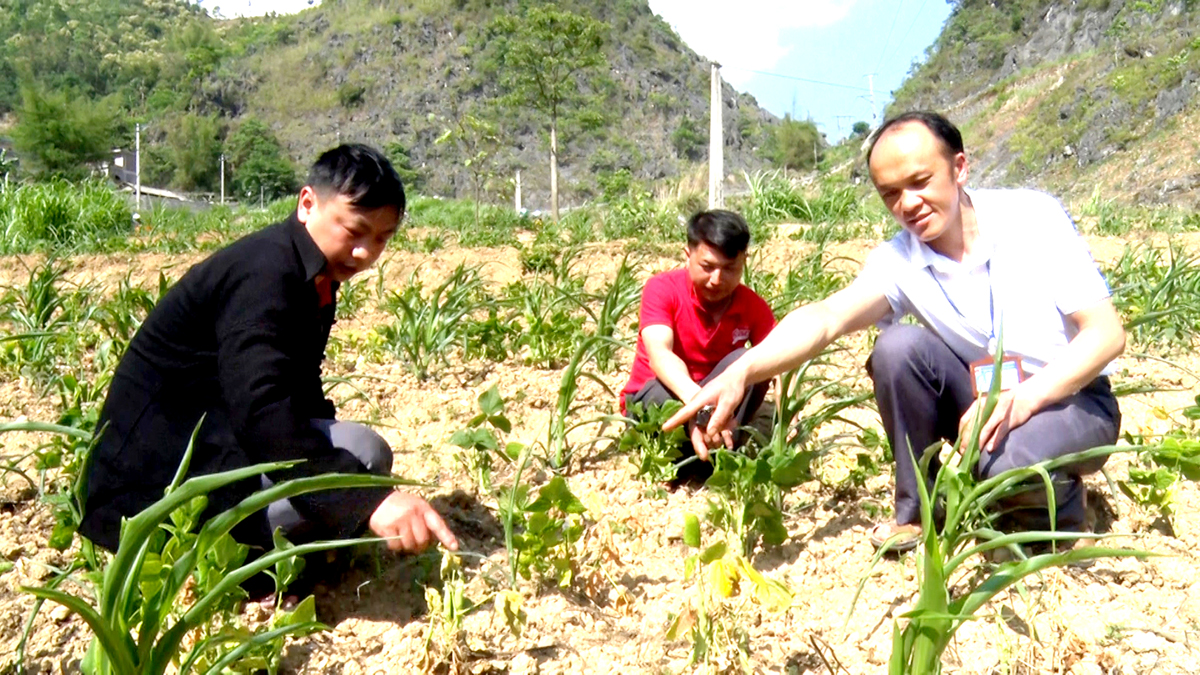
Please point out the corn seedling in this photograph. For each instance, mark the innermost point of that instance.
(550, 328)
(142, 624)
(1159, 299)
(426, 328)
(616, 304)
(558, 448)
(968, 530)
(479, 442)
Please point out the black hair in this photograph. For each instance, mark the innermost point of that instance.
(725, 231)
(359, 172)
(938, 125)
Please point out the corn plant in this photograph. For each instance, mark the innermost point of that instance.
(425, 329)
(1159, 299)
(748, 489)
(558, 448)
(58, 216)
(969, 530)
(479, 442)
(615, 305)
(809, 280)
(140, 619)
(44, 322)
(550, 328)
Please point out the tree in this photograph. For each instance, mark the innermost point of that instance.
(687, 140)
(401, 161)
(797, 144)
(477, 140)
(548, 57)
(195, 151)
(60, 134)
(860, 129)
(258, 162)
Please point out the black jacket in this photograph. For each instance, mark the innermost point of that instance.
(240, 340)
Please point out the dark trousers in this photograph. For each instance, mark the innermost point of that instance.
(923, 389)
(655, 393)
(357, 439)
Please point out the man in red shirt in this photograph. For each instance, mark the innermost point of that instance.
(698, 319)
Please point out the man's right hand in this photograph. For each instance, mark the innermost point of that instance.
(408, 521)
(725, 393)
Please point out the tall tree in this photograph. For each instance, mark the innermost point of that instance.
(61, 133)
(797, 144)
(477, 141)
(195, 146)
(260, 166)
(548, 57)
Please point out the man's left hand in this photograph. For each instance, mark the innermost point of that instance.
(1011, 411)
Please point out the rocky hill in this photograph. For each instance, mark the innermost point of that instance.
(1082, 97)
(387, 72)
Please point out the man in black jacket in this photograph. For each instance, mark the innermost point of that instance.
(239, 341)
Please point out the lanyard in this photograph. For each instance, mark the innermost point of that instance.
(991, 333)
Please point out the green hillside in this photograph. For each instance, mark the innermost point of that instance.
(392, 73)
(1082, 97)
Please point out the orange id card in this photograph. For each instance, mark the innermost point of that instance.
(984, 370)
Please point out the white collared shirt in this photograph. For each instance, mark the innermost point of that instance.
(1029, 256)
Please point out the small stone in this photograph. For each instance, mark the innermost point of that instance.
(1142, 642)
(523, 664)
(60, 613)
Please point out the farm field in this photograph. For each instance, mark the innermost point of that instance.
(627, 585)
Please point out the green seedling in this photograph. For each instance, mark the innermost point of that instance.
(139, 619)
(968, 531)
(425, 329)
(479, 441)
(558, 449)
(653, 451)
(552, 525)
(445, 641)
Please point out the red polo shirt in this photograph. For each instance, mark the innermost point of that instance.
(669, 299)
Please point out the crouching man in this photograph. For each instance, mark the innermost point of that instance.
(698, 319)
(239, 341)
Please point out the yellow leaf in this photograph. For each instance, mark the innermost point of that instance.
(723, 574)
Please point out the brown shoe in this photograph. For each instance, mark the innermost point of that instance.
(895, 537)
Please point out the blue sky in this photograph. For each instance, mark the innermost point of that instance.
(836, 42)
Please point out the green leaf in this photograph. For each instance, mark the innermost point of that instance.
(491, 403)
(691, 530)
(714, 552)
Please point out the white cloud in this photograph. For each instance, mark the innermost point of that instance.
(232, 8)
(748, 34)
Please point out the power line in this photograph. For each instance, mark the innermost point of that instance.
(910, 26)
(793, 77)
(883, 52)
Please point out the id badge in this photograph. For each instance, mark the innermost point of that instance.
(983, 372)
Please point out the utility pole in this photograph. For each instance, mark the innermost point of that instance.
(222, 179)
(716, 143)
(517, 196)
(137, 167)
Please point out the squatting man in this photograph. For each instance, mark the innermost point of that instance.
(972, 266)
(238, 342)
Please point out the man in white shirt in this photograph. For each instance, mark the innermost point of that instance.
(972, 266)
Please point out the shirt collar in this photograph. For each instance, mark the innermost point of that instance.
(311, 256)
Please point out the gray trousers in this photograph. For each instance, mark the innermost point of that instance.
(923, 389)
(360, 441)
(655, 393)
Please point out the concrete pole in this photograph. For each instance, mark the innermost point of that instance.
(517, 197)
(137, 167)
(222, 179)
(716, 143)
